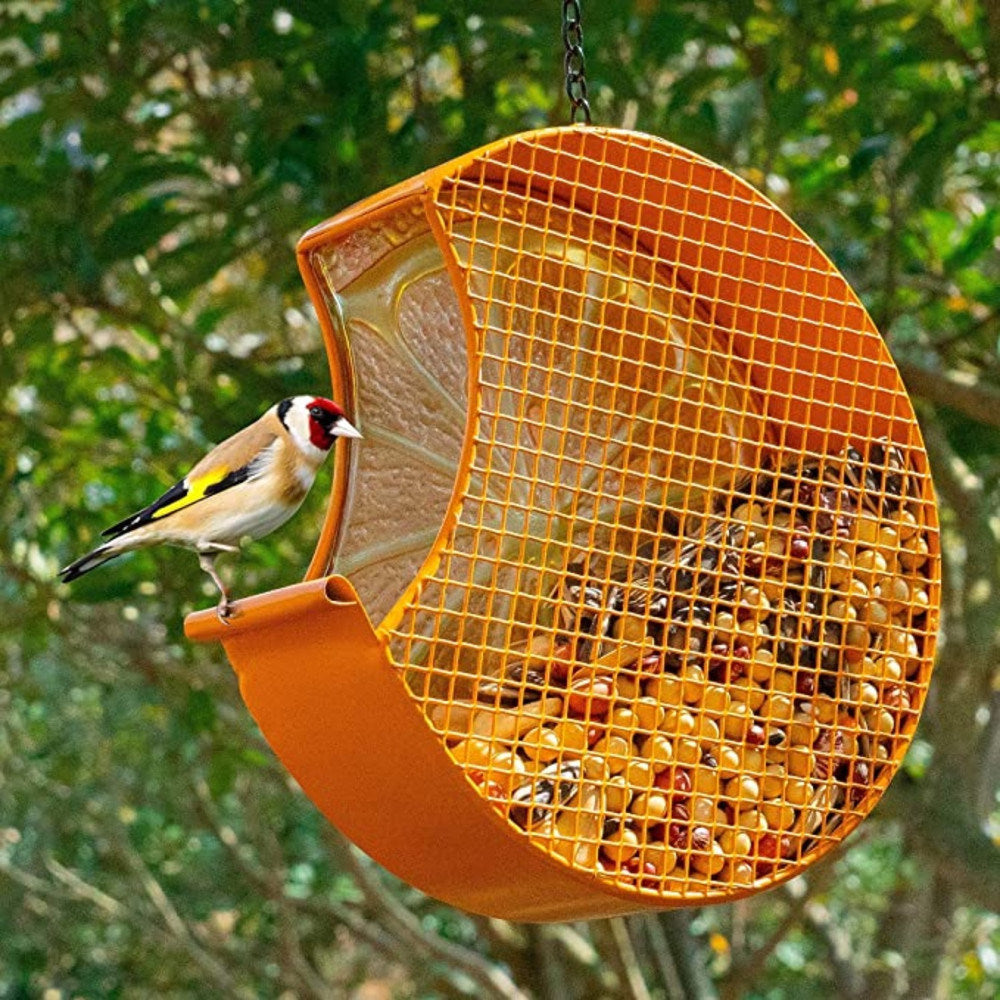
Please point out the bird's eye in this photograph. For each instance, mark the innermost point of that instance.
(315, 411)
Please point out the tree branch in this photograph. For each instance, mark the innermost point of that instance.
(84, 890)
(742, 975)
(549, 980)
(175, 923)
(989, 776)
(662, 955)
(954, 389)
(320, 908)
(626, 960)
(688, 955)
(113, 908)
(847, 976)
(492, 981)
(275, 871)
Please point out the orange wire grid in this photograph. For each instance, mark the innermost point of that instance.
(643, 512)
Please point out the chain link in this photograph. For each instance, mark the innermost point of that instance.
(576, 80)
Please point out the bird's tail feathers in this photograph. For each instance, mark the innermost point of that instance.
(99, 556)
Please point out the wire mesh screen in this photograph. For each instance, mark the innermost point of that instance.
(679, 623)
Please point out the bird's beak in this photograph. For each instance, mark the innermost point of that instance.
(345, 430)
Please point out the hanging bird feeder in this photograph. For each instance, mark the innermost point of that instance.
(642, 545)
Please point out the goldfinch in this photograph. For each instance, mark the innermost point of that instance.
(249, 485)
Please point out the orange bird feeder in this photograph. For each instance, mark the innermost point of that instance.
(642, 545)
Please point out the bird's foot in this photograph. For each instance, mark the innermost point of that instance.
(224, 610)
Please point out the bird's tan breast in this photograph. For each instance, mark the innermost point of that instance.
(293, 475)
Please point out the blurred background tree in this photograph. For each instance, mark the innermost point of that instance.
(158, 161)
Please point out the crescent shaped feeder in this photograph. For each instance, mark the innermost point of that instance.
(641, 540)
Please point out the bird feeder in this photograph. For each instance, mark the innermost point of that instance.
(641, 541)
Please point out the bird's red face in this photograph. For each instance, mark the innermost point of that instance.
(327, 422)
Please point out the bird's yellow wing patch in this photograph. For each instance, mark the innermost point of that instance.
(199, 488)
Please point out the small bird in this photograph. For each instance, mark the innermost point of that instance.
(248, 485)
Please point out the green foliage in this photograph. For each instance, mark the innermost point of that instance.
(158, 161)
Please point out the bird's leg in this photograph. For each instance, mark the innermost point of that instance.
(207, 562)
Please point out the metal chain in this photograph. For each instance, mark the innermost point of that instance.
(576, 80)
